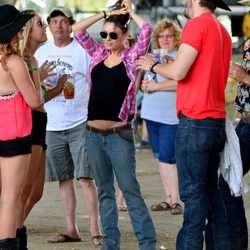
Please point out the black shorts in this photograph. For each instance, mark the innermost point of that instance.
(39, 120)
(18, 146)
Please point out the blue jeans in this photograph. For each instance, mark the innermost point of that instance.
(109, 155)
(234, 205)
(198, 143)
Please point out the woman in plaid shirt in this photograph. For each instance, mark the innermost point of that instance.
(109, 135)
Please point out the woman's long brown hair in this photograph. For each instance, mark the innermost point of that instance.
(9, 48)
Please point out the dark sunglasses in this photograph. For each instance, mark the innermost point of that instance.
(112, 35)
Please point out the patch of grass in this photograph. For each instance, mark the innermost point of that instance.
(237, 58)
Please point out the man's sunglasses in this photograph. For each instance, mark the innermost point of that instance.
(112, 35)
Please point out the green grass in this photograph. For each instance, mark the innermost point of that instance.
(231, 112)
(231, 92)
(237, 58)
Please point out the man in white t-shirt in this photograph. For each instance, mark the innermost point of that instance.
(65, 137)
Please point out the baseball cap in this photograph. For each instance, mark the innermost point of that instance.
(63, 9)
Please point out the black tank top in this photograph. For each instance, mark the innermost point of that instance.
(109, 88)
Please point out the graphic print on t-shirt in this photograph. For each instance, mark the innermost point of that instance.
(64, 65)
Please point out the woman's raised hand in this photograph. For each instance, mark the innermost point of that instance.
(121, 11)
(127, 5)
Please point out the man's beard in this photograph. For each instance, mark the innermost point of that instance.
(186, 14)
(188, 5)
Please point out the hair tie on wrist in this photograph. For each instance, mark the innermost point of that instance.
(152, 66)
(34, 69)
(104, 14)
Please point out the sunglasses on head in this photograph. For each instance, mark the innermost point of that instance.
(112, 35)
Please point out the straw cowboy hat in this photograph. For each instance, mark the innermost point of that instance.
(11, 21)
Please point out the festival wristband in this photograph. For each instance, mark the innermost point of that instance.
(34, 69)
(44, 89)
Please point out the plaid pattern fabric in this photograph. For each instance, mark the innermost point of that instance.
(99, 53)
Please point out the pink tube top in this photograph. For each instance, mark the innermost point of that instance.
(15, 117)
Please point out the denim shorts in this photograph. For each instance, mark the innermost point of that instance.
(162, 139)
(66, 154)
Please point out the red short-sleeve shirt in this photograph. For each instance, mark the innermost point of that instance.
(201, 93)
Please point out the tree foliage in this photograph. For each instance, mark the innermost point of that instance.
(86, 5)
(78, 5)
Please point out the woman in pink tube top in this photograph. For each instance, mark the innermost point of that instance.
(18, 95)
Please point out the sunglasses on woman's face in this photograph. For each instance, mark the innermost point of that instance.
(112, 35)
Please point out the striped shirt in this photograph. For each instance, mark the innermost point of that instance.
(98, 53)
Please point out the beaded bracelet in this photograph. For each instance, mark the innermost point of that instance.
(34, 69)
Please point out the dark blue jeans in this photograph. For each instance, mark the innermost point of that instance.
(198, 143)
(234, 205)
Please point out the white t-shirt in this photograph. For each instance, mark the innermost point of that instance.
(72, 59)
(160, 106)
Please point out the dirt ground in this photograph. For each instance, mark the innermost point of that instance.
(46, 220)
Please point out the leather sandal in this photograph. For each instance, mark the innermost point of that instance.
(97, 240)
(176, 208)
(122, 208)
(163, 206)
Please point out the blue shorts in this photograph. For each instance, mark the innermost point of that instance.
(162, 139)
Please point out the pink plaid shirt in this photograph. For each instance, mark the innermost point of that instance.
(99, 53)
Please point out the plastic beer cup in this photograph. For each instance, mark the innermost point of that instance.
(69, 88)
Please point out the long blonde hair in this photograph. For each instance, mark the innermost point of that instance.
(24, 44)
(9, 48)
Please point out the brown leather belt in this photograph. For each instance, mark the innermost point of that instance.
(245, 118)
(111, 131)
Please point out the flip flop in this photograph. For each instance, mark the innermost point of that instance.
(176, 209)
(122, 208)
(97, 240)
(63, 238)
(163, 206)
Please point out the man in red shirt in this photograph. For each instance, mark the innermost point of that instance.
(201, 69)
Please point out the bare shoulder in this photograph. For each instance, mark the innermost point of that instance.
(15, 61)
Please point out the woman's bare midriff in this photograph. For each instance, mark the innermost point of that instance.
(103, 124)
